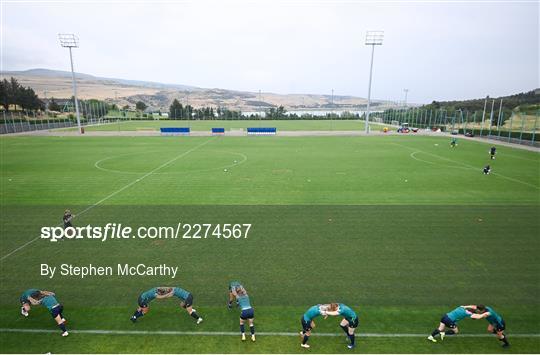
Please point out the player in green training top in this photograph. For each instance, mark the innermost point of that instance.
(186, 302)
(453, 142)
(238, 292)
(496, 322)
(147, 296)
(232, 287)
(450, 320)
(349, 322)
(25, 301)
(48, 299)
(165, 292)
(307, 321)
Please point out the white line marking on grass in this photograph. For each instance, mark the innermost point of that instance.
(118, 191)
(469, 166)
(413, 155)
(283, 334)
(97, 164)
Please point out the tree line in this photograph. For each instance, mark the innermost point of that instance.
(14, 94)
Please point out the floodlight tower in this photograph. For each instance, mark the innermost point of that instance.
(69, 40)
(406, 92)
(373, 38)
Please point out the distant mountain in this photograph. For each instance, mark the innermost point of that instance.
(49, 83)
(67, 74)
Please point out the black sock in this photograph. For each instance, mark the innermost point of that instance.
(435, 332)
(242, 329)
(504, 340)
(351, 336)
(194, 315)
(138, 314)
(306, 338)
(62, 326)
(345, 329)
(252, 329)
(450, 332)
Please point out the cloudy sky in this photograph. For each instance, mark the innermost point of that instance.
(437, 49)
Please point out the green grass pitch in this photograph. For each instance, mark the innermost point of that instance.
(401, 228)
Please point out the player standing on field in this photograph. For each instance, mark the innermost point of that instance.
(238, 292)
(450, 320)
(453, 143)
(492, 153)
(67, 219)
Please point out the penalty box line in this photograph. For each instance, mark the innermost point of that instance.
(168, 162)
(283, 334)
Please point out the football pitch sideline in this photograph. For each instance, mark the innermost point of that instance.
(402, 229)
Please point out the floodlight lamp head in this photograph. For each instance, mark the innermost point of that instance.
(68, 40)
(374, 38)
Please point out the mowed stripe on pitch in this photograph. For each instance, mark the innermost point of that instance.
(284, 334)
(167, 163)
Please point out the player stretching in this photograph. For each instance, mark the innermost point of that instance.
(496, 322)
(232, 287)
(238, 292)
(186, 302)
(147, 296)
(492, 152)
(25, 300)
(349, 322)
(487, 170)
(307, 321)
(450, 320)
(48, 300)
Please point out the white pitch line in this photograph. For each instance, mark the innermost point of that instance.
(117, 192)
(469, 166)
(283, 334)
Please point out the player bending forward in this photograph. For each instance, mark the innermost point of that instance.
(238, 292)
(349, 322)
(307, 320)
(47, 299)
(496, 322)
(165, 292)
(450, 320)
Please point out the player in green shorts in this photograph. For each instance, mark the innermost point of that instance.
(186, 302)
(307, 321)
(496, 322)
(48, 299)
(147, 296)
(450, 320)
(349, 322)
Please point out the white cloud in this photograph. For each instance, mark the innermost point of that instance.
(438, 50)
